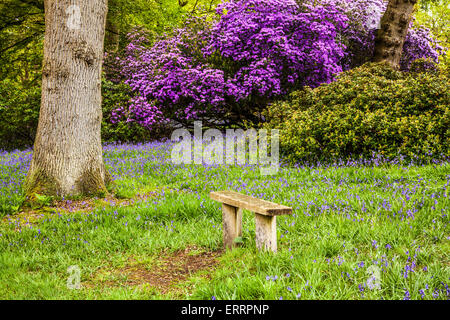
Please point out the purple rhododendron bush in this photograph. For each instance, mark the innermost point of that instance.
(226, 69)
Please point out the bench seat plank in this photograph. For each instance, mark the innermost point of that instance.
(252, 204)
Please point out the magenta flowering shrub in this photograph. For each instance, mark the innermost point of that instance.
(226, 70)
(275, 44)
(419, 44)
(169, 78)
(255, 52)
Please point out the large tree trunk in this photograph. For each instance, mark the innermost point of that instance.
(394, 27)
(67, 158)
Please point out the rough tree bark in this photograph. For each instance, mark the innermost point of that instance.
(394, 27)
(67, 158)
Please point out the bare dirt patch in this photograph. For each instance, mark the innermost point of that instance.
(166, 272)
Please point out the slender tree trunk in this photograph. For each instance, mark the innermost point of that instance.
(112, 33)
(67, 158)
(394, 27)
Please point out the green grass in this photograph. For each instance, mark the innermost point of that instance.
(347, 221)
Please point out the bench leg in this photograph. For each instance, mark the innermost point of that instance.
(232, 225)
(266, 232)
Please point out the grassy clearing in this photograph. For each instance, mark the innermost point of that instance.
(350, 221)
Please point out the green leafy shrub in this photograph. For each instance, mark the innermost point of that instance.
(369, 109)
(19, 114)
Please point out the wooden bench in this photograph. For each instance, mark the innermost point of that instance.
(265, 218)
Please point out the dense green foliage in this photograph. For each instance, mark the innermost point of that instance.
(435, 15)
(21, 36)
(19, 114)
(368, 109)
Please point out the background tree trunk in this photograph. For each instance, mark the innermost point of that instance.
(394, 27)
(67, 158)
(112, 36)
(112, 31)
